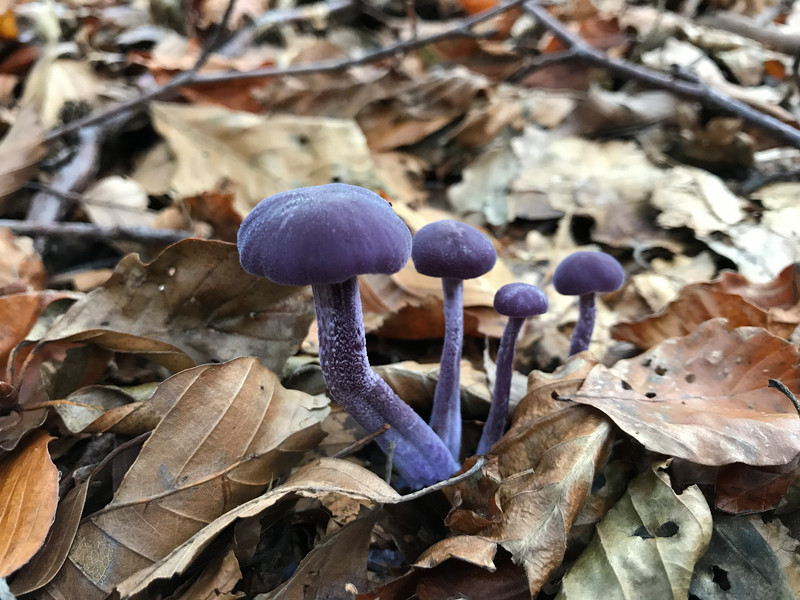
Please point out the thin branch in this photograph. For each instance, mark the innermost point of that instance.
(459, 29)
(358, 444)
(691, 89)
(443, 484)
(781, 387)
(140, 102)
(143, 235)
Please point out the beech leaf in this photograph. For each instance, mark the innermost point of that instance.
(28, 498)
(231, 431)
(650, 540)
(193, 303)
(704, 397)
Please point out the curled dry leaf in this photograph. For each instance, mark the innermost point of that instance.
(19, 313)
(650, 540)
(774, 305)
(28, 498)
(193, 303)
(534, 506)
(324, 477)
(231, 431)
(704, 397)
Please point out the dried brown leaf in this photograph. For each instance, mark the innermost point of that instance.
(232, 430)
(28, 498)
(704, 397)
(337, 561)
(20, 151)
(325, 477)
(743, 489)
(194, 300)
(539, 501)
(218, 578)
(774, 305)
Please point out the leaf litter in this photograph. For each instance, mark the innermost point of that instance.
(181, 400)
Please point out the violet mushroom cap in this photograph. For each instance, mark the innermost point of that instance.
(517, 301)
(326, 236)
(453, 251)
(584, 274)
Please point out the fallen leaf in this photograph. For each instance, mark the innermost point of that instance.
(263, 155)
(28, 498)
(327, 476)
(194, 300)
(232, 430)
(20, 151)
(541, 494)
(738, 565)
(650, 540)
(741, 489)
(19, 313)
(218, 578)
(114, 201)
(785, 547)
(704, 397)
(334, 564)
(774, 305)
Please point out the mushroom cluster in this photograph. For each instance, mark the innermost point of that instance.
(326, 236)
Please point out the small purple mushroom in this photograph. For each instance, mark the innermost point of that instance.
(584, 274)
(326, 236)
(453, 251)
(517, 301)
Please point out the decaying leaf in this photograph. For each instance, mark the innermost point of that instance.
(264, 155)
(774, 305)
(194, 300)
(324, 477)
(704, 397)
(28, 498)
(744, 489)
(650, 541)
(547, 468)
(231, 431)
(20, 151)
(738, 564)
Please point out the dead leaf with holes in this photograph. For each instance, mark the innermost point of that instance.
(650, 540)
(704, 397)
(231, 431)
(774, 305)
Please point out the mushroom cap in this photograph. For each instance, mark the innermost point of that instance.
(588, 272)
(452, 250)
(322, 234)
(520, 300)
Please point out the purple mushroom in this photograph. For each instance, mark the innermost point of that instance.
(584, 274)
(453, 251)
(517, 301)
(326, 236)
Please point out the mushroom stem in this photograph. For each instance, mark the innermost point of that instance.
(446, 414)
(498, 411)
(582, 334)
(419, 455)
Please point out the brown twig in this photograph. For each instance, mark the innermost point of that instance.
(443, 484)
(687, 88)
(781, 387)
(358, 444)
(140, 102)
(143, 235)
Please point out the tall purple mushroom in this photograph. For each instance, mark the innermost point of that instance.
(453, 251)
(584, 274)
(326, 236)
(517, 301)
